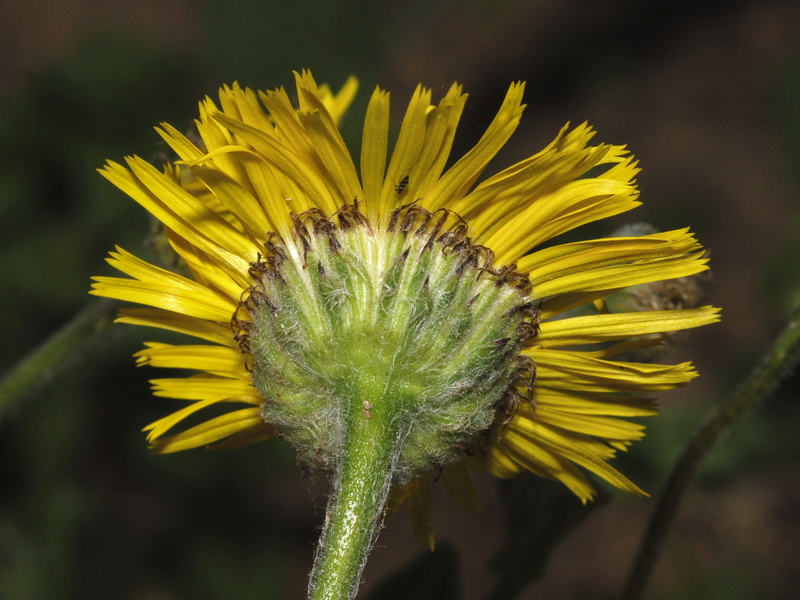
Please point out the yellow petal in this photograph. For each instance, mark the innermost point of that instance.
(216, 279)
(202, 306)
(332, 153)
(191, 210)
(601, 426)
(592, 329)
(557, 260)
(217, 333)
(440, 131)
(158, 428)
(238, 200)
(217, 360)
(183, 224)
(594, 403)
(573, 370)
(339, 103)
(291, 164)
(455, 183)
(575, 204)
(613, 263)
(409, 145)
(209, 432)
(206, 388)
(183, 147)
(587, 460)
(542, 462)
(242, 104)
(374, 146)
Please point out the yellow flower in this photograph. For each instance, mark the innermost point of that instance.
(268, 176)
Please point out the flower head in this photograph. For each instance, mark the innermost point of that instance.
(317, 288)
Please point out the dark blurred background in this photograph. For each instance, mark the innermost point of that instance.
(706, 94)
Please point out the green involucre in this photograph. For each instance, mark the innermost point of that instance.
(355, 323)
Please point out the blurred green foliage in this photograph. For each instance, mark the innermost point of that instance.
(85, 511)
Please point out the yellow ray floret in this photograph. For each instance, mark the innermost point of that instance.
(245, 420)
(592, 329)
(261, 163)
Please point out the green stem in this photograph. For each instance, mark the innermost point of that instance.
(778, 363)
(62, 350)
(355, 510)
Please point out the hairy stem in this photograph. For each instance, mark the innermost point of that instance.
(356, 506)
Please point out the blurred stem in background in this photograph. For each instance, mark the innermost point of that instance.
(778, 363)
(88, 332)
(85, 334)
